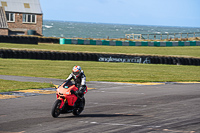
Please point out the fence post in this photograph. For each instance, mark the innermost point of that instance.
(174, 35)
(187, 35)
(167, 36)
(194, 34)
(160, 36)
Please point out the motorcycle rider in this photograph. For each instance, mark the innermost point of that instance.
(80, 80)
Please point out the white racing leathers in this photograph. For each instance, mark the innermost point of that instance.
(80, 81)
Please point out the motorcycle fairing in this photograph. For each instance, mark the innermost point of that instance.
(64, 94)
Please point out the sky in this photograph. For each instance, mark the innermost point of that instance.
(184, 13)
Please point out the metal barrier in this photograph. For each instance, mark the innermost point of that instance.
(129, 43)
(162, 36)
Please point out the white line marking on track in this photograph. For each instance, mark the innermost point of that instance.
(112, 124)
(118, 124)
(113, 104)
(93, 122)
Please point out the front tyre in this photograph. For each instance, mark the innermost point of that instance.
(55, 112)
(77, 111)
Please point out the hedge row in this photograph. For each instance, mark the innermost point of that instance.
(47, 55)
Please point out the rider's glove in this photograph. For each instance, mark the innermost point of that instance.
(82, 88)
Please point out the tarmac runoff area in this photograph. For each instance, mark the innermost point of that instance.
(110, 107)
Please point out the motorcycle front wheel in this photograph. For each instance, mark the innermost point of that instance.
(77, 111)
(55, 112)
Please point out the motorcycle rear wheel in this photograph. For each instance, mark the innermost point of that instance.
(55, 112)
(78, 110)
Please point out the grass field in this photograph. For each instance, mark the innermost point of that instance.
(7, 85)
(187, 51)
(99, 71)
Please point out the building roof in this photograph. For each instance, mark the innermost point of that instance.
(22, 6)
(3, 20)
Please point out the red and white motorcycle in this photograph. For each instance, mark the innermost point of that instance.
(67, 101)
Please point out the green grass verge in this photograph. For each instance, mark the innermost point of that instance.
(191, 51)
(100, 71)
(8, 85)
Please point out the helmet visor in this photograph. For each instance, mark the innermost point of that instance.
(76, 73)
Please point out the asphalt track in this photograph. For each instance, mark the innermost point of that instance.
(111, 107)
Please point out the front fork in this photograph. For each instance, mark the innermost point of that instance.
(62, 102)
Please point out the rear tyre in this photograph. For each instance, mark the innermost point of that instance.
(79, 109)
(55, 112)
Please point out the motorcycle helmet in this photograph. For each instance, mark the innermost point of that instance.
(76, 70)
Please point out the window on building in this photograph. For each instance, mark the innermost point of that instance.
(10, 17)
(29, 18)
(26, 5)
(3, 3)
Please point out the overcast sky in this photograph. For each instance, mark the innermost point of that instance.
(142, 12)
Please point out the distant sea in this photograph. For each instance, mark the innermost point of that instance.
(102, 30)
